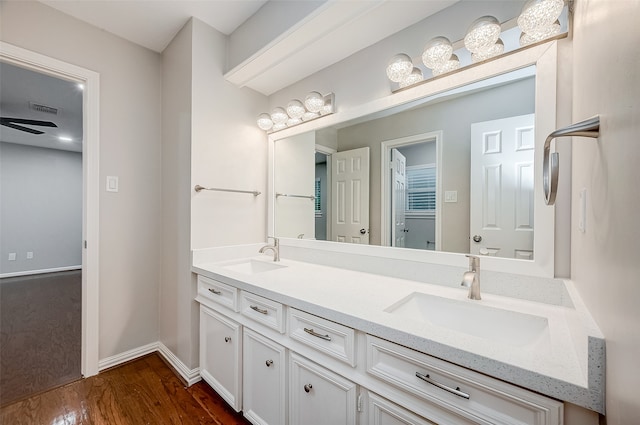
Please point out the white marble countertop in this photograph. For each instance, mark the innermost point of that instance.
(565, 362)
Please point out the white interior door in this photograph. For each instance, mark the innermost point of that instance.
(398, 198)
(350, 196)
(294, 184)
(502, 187)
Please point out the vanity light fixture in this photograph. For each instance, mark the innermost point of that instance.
(539, 14)
(414, 77)
(437, 52)
(495, 50)
(399, 67)
(482, 34)
(451, 65)
(315, 105)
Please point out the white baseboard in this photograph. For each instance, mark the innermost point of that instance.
(191, 376)
(41, 271)
(127, 356)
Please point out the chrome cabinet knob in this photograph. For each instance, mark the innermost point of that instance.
(307, 388)
(227, 339)
(269, 362)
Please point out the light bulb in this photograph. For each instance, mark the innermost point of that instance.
(540, 34)
(414, 77)
(310, 116)
(538, 14)
(399, 67)
(490, 52)
(437, 51)
(314, 101)
(483, 33)
(452, 64)
(293, 121)
(295, 109)
(279, 116)
(279, 126)
(264, 122)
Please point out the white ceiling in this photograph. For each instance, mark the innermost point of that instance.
(152, 23)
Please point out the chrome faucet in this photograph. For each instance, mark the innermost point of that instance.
(275, 248)
(471, 279)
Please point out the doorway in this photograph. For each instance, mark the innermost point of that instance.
(32, 61)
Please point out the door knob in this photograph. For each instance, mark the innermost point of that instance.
(363, 231)
(477, 238)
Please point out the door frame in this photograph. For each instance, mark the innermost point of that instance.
(327, 151)
(385, 184)
(91, 183)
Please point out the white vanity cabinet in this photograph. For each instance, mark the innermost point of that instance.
(264, 380)
(221, 354)
(318, 396)
(379, 411)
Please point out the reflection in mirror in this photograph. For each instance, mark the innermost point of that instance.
(440, 174)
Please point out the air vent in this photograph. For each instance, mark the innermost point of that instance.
(43, 108)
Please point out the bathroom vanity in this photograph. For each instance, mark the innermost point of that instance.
(324, 336)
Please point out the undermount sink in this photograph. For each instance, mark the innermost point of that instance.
(252, 266)
(473, 318)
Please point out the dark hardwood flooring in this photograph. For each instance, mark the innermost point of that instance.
(144, 391)
(40, 333)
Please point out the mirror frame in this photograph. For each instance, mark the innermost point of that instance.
(545, 57)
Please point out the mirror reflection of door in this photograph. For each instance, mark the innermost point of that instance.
(321, 193)
(398, 198)
(502, 156)
(350, 196)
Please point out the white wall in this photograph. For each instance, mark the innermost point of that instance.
(40, 208)
(605, 259)
(130, 99)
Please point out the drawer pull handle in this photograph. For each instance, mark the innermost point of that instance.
(269, 362)
(316, 334)
(258, 309)
(213, 291)
(455, 391)
(227, 339)
(307, 388)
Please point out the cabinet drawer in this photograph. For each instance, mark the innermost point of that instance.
(263, 310)
(329, 337)
(383, 412)
(218, 292)
(473, 396)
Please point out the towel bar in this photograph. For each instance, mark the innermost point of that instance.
(586, 128)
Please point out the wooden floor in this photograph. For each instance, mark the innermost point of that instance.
(40, 333)
(144, 391)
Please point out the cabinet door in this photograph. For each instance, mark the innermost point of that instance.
(383, 412)
(318, 396)
(264, 380)
(220, 355)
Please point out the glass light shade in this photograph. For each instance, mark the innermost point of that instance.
(293, 121)
(490, 52)
(279, 116)
(537, 14)
(279, 126)
(414, 77)
(399, 67)
(452, 64)
(295, 109)
(264, 122)
(483, 33)
(314, 101)
(437, 51)
(540, 34)
(310, 116)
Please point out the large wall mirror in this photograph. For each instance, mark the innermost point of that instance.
(452, 166)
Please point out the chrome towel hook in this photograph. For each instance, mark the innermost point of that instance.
(586, 128)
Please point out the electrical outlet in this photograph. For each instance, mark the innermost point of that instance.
(12, 256)
(29, 255)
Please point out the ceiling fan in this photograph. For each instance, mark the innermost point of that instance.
(19, 124)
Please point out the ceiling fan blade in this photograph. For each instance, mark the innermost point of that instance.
(21, 128)
(4, 120)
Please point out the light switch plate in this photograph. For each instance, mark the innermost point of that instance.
(112, 183)
(12, 256)
(451, 196)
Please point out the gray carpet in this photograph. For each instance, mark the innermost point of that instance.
(40, 333)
